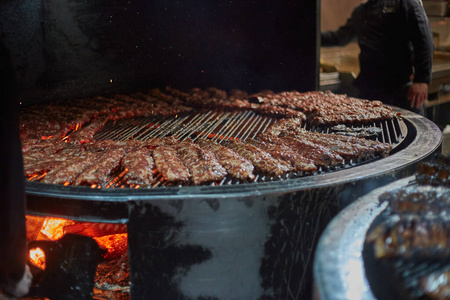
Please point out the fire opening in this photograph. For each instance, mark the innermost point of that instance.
(112, 273)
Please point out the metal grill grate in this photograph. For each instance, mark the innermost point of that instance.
(219, 126)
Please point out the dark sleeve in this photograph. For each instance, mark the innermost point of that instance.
(422, 40)
(341, 37)
(12, 201)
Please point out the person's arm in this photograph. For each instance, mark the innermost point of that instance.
(341, 37)
(418, 94)
(15, 277)
(422, 40)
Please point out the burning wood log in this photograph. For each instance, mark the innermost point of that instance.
(95, 229)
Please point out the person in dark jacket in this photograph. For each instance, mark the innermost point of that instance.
(396, 55)
(15, 276)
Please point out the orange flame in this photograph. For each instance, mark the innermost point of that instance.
(111, 242)
(32, 176)
(53, 228)
(78, 126)
(37, 256)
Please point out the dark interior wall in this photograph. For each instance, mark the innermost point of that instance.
(71, 48)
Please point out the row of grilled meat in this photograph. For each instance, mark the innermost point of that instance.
(284, 147)
(56, 119)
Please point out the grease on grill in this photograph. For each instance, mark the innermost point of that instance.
(368, 132)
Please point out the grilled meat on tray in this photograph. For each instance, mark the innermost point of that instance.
(71, 168)
(436, 173)
(236, 165)
(99, 172)
(419, 200)
(170, 165)
(201, 163)
(407, 247)
(285, 153)
(262, 160)
(139, 166)
(319, 155)
(406, 236)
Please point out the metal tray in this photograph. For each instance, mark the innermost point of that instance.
(338, 263)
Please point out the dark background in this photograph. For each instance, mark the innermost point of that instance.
(71, 48)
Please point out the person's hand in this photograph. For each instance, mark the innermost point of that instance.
(21, 288)
(418, 93)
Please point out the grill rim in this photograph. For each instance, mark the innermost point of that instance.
(341, 244)
(423, 139)
(339, 248)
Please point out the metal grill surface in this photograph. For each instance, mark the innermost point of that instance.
(219, 126)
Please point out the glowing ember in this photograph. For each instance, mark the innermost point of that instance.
(114, 244)
(33, 176)
(53, 228)
(46, 137)
(37, 256)
(77, 127)
(111, 241)
(36, 176)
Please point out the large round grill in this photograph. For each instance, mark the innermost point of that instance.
(270, 226)
(412, 137)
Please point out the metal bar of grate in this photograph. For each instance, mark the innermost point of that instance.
(223, 131)
(261, 124)
(383, 138)
(388, 135)
(209, 130)
(130, 130)
(151, 124)
(199, 122)
(165, 128)
(233, 126)
(246, 130)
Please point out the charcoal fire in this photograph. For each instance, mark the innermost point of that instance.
(112, 275)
